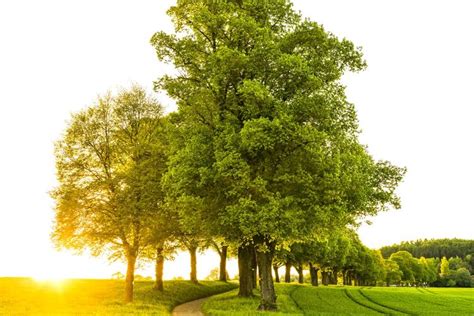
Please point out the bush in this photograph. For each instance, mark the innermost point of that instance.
(463, 277)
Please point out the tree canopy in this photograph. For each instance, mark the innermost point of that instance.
(108, 165)
(271, 152)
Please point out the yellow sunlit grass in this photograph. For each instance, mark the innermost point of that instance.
(26, 296)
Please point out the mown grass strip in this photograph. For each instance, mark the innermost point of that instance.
(431, 292)
(384, 305)
(328, 301)
(352, 298)
(291, 293)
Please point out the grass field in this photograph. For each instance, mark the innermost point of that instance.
(22, 296)
(296, 299)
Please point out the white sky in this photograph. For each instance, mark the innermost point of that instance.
(414, 104)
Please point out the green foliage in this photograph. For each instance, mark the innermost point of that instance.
(409, 266)
(108, 167)
(463, 278)
(271, 142)
(98, 297)
(444, 268)
(457, 263)
(392, 272)
(429, 272)
(433, 248)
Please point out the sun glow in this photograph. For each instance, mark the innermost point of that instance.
(53, 277)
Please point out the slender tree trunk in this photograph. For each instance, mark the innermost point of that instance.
(350, 278)
(299, 269)
(254, 268)
(288, 272)
(267, 289)
(131, 260)
(313, 272)
(222, 267)
(193, 274)
(325, 276)
(335, 271)
(245, 270)
(160, 261)
(277, 276)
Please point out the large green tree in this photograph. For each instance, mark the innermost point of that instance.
(271, 151)
(109, 167)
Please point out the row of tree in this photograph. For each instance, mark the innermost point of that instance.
(262, 154)
(345, 260)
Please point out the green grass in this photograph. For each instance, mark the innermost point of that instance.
(297, 299)
(230, 304)
(22, 296)
(447, 301)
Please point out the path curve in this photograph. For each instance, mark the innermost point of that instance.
(192, 308)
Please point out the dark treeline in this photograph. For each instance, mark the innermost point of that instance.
(432, 248)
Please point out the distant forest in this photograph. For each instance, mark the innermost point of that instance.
(432, 248)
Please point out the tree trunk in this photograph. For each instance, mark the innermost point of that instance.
(193, 274)
(267, 289)
(347, 277)
(350, 278)
(160, 260)
(277, 276)
(325, 277)
(131, 260)
(334, 276)
(254, 268)
(313, 272)
(245, 270)
(287, 272)
(222, 268)
(299, 269)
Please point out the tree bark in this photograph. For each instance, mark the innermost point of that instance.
(245, 270)
(335, 271)
(287, 272)
(222, 267)
(160, 261)
(254, 268)
(299, 269)
(313, 272)
(325, 277)
(131, 260)
(193, 274)
(277, 276)
(267, 289)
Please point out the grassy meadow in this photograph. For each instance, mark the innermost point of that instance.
(24, 296)
(296, 299)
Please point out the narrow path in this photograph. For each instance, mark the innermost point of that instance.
(192, 308)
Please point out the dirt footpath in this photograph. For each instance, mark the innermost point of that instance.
(192, 308)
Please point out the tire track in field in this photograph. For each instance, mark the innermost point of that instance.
(383, 305)
(431, 292)
(430, 302)
(352, 298)
(420, 290)
(294, 300)
(465, 299)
